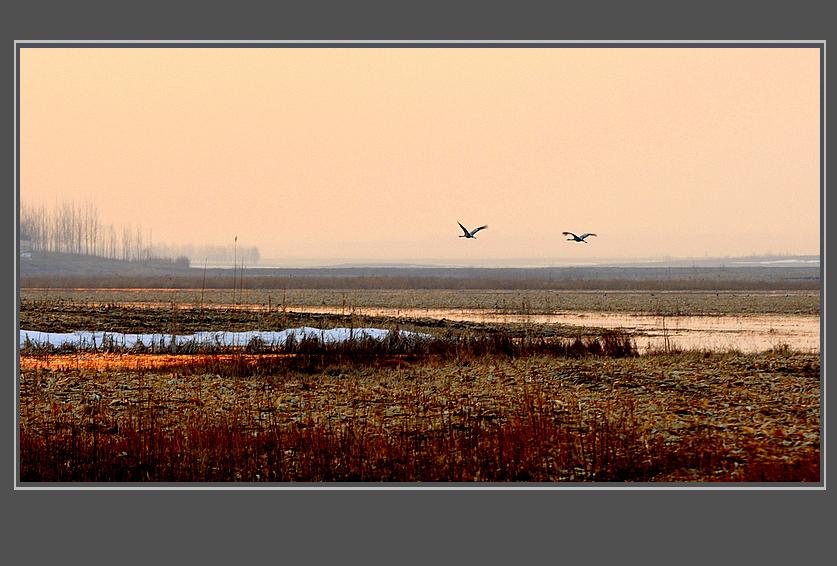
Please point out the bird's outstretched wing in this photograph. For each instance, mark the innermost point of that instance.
(569, 234)
(464, 229)
(478, 229)
(587, 234)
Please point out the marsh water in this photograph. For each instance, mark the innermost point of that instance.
(742, 332)
(747, 333)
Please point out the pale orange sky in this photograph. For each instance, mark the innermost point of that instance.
(376, 153)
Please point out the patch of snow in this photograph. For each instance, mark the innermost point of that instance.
(87, 339)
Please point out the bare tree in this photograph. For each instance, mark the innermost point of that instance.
(126, 243)
(111, 241)
(72, 228)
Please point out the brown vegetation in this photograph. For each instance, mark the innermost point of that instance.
(471, 402)
(254, 281)
(683, 417)
(496, 301)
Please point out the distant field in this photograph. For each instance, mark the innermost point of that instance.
(498, 300)
(66, 271)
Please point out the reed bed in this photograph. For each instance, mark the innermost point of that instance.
(312, 354)
(667, 417)
(450, 344)
(527, 446)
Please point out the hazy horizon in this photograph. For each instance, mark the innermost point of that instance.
(533, 262)
(316, 155)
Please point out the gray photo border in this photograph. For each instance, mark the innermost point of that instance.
(409, 526)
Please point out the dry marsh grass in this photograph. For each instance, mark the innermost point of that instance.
(511, 279)
(312, 354)
(666, 417)
(472, 402)
(64, 316)
(494, 300)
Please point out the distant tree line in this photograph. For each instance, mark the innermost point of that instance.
(242, 255)
(75, 228)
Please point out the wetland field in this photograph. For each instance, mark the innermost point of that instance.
(554, 386)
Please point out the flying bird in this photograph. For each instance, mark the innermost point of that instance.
(577, 238)
(470, 234)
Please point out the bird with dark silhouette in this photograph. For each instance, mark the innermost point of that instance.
(472, 233)
(577, 238)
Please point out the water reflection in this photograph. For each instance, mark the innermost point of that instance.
(747, 333)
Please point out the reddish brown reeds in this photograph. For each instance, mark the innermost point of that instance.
(682, 418)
